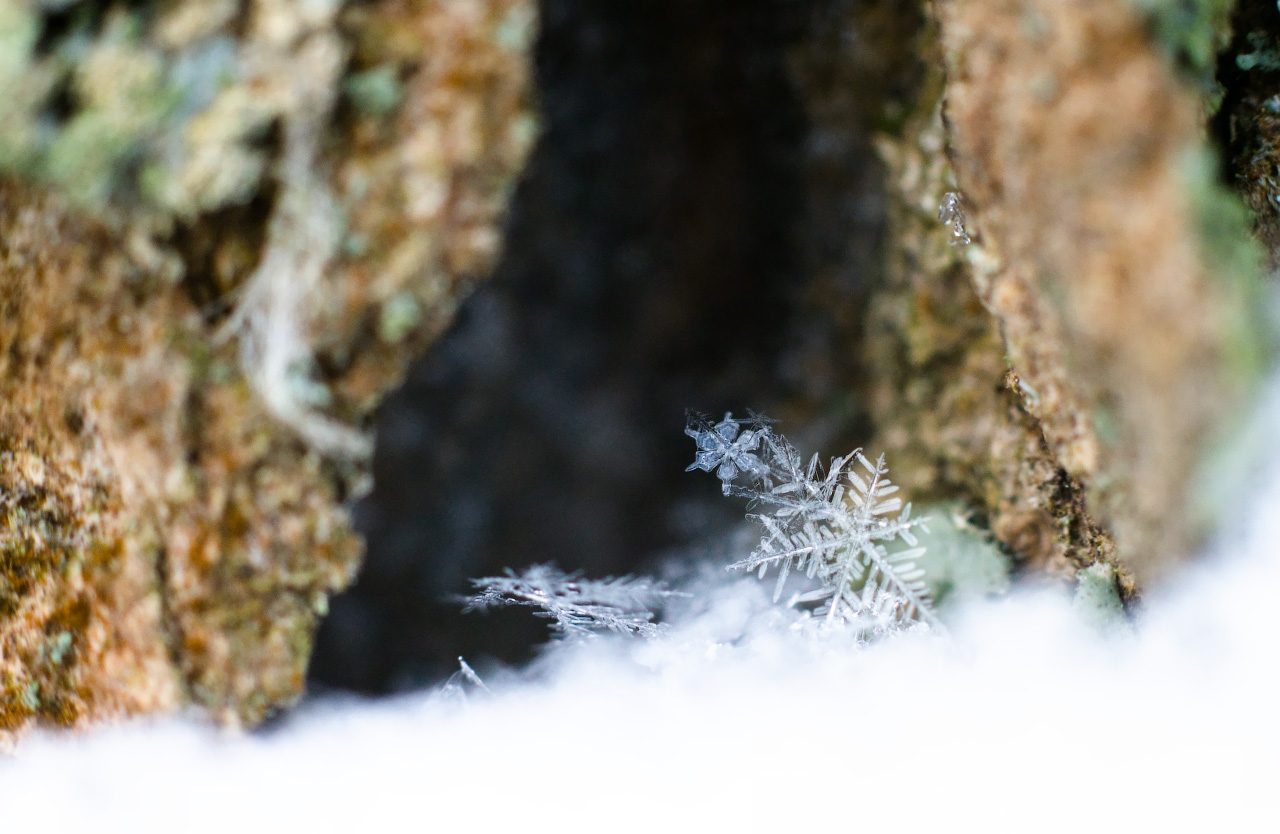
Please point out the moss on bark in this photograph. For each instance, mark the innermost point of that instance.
(1069, 372)
(226, 227)
(171, 529)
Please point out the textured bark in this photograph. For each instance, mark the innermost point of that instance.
(1067, 375)
(1079, 148)
(1248, 122)
(249, 218)
(951, 412)
(226, 227)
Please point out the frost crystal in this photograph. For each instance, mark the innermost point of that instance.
(829, 524)
(455, 688)
(726, 446)
(952, 212)
(580, 607)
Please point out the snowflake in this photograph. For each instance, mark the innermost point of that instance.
(951, 211)
(580, 607)
(727, 447)
(831, 525)
(456, 687)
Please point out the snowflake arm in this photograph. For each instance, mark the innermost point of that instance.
(828, 524)
(580, 607)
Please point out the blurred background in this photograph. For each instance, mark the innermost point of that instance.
(662, 253)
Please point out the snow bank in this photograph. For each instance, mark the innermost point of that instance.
(1024, 720)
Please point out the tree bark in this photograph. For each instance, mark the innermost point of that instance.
(225, 228)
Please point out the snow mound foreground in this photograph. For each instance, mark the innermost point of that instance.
(1023, 719)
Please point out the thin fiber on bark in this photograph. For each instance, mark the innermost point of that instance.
(248, 218)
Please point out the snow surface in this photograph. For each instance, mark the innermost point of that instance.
(1023, 720)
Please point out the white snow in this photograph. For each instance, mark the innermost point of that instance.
(1024, 720)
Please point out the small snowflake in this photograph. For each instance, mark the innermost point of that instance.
(951, 212)
(580, 607)
(458, 684)
(832, 524)
(726, 447)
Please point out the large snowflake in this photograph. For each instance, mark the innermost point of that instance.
(833, 525)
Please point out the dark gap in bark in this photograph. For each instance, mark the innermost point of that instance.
(663, 252)
(1247, 123)
(221, 249)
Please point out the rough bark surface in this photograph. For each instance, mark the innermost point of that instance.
(1068, 373)
(950, 411)
(1080, 151)
(271, 208)
(226, 227)
(1248, 122)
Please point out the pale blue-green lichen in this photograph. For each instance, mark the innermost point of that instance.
(1097, 600)
(1193, 32)
(961, 562)
(24, 86)
(110, 113)
(58, 647)
(1233, 449)
(31, 696)
(1230, 468)
(517, 29)
(1235, 261)
(124, 98)
(375, 92)
(1264, 56)
(401, 315)
(115, 86)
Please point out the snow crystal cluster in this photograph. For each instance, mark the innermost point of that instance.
(1028, 719)
(831, 524)
(952, 213)
(580, 607)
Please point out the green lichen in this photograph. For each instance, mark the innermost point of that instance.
(1264, 56)
(517, 29)
(24, 85)
(57, 647)
(376, 92)
(110, 116)
(1107, 426)
(1097, 600)
(124, 97)
(1192, 32)
(1250, 336)
(116, 88)
(30, 696)
(1229, 469)
(961, 561)
(400, 316)
(1235, 260)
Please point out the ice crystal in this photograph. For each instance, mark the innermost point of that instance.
(580, 607)
(455, 688)
(952, 212)
(831, 524)
(727, 448)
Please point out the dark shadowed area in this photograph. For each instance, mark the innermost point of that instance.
(656, 260)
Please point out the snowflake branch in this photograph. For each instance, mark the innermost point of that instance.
(828, 524)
